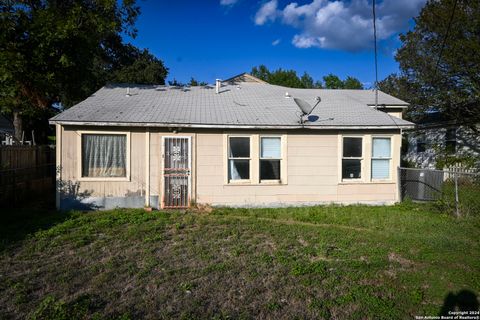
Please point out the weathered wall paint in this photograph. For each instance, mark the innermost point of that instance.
(313, 166)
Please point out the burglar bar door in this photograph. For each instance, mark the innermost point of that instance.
(176, 172)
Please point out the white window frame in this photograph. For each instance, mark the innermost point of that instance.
(282, 157)
(390, 171)
(362, 159)
(80, 133)
(239, 181)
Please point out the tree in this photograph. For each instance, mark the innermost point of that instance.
(440, 60)
(352, 83)
(193, 82)
(307, 81)
(332, 82)
(144, 68)
(318, 84)
(281, 77)
(175, 83)
(63, 51)
(289, 78)
(399, 86)
(261, 72)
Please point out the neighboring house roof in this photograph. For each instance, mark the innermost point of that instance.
(244, 77)
(6, 125)
(243, 105)
(437, 119)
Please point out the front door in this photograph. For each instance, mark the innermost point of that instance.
(176, 172)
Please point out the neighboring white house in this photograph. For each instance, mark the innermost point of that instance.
(436, 137)
(242, 142)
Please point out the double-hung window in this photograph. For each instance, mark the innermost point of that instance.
(421, 144)
(352, 158)
(381, 158)
(104, 155)
(270, 158)
(238, 158)
(451, 140)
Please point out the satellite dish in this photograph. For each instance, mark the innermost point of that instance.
(307, 110)
(305, 106)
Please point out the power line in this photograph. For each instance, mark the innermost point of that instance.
(376, 68)
(446, 36)
(376, 62)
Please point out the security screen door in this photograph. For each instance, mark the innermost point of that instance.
(176, 172)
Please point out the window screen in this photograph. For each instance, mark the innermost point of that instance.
(104, 155)
(239, 158)
(352, 158)
(270, 158)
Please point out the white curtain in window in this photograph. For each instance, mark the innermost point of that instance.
(233, 171)
(271, 148)
(104, 155)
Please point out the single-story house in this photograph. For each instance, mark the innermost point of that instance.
(241, 142)
(436, 136)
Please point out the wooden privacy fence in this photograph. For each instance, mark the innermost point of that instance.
(14, 157)
(27, 174)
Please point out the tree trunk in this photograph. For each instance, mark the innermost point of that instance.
(17, 124)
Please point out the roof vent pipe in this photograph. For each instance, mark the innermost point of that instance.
(128, 92)
(218, 84)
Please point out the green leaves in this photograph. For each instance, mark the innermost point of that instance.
(63, 51)
(440, 62)
(289, 78)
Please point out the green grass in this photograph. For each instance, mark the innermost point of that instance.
(353, 262)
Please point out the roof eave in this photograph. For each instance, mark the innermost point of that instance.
(227, 126)
(390, 106)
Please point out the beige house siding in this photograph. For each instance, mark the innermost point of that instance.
(312, 170)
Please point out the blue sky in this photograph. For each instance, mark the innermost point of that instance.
(210, 39)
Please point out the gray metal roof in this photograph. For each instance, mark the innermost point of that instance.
(246, 105)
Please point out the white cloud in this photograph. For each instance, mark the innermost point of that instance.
(276, 42)
(267, 12)
(228, 2)
(341, 25)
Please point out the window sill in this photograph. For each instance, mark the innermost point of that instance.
(270, 182)
(366, 182)
(262, 183)
(238, 182)
(104, 179)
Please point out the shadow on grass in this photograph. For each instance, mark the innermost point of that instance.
(17, 224)
(464, 300)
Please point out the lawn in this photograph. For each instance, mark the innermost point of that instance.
(353, 262)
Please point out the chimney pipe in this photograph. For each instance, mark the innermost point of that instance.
(218, 84)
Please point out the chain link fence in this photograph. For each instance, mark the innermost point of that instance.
(456, 192)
